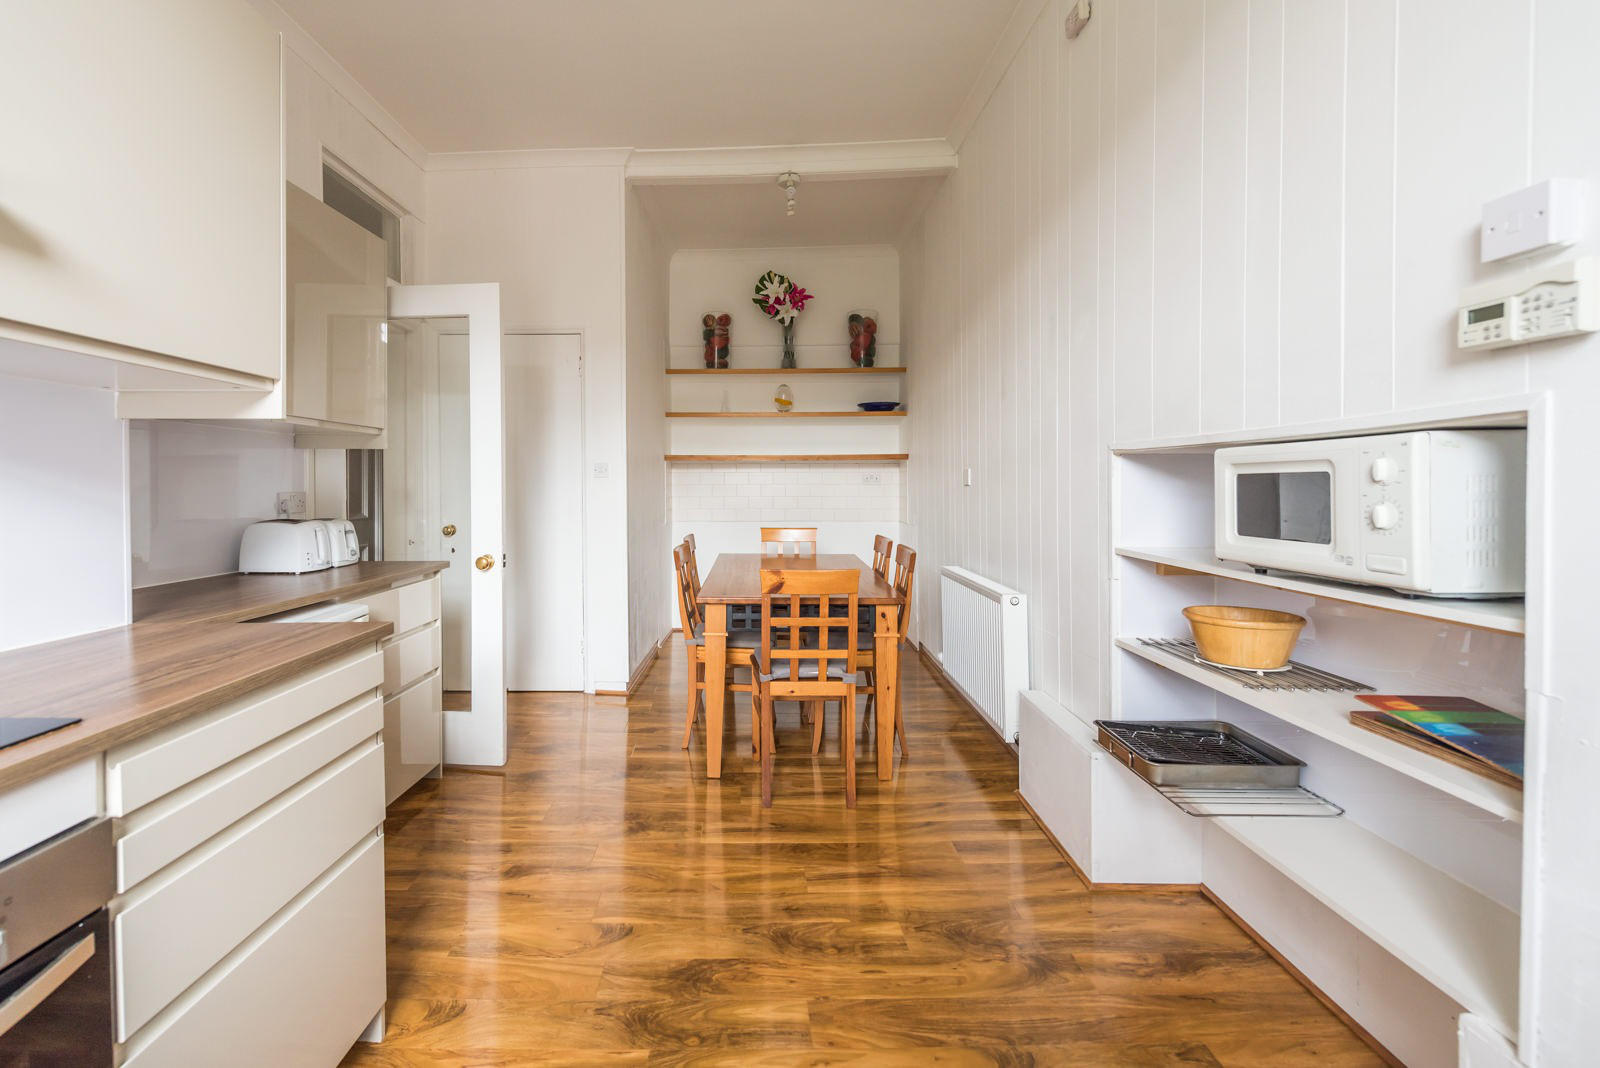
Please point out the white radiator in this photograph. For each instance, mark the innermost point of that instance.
(984, 650)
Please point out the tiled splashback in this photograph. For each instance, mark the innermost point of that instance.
(803, 493)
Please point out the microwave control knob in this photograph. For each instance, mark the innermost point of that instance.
(1385, 516)
(1384, 470)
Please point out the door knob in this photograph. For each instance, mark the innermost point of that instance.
(448, 530)
(484, 562)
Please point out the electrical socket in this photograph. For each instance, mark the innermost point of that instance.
(871, 478)
(292, 505)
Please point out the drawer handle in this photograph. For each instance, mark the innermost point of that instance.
(47, 982)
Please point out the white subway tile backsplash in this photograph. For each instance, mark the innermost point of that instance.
(775, 493)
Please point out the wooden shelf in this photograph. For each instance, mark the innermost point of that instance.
(1462, 942)
(785, 415)
(1327, 715)
(812, 458)
(783, 371)
(1507, 617)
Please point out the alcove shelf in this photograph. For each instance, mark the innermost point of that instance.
(1506, 616)
(778, 458)
(785, 371)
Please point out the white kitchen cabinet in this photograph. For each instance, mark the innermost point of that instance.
(141, 197)
(335, 384)
(413, 690)
(232, 825)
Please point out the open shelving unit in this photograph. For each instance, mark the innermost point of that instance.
(1505, 616)
(772, 458)
(785, 415)
(1327, 716)
(1464, 943)
(784, 371)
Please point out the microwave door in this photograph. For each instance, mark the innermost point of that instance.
(1283, 514)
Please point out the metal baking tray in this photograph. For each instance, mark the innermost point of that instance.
(1190, 752)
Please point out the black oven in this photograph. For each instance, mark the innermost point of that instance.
(55, 952)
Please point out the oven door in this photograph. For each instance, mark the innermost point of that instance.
(1291, 507)
(55, 1003)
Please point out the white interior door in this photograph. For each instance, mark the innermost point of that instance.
(455, 510)
(475, 735)
(544, 511)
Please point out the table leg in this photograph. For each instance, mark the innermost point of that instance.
(887, 684)
(716, 636)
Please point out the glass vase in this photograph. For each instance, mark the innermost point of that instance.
(788, 345)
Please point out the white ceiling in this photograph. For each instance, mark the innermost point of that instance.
(872, 211)
(509, 74)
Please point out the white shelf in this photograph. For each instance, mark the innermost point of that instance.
(1327, 715)
(1507, 617)
(1462, 942)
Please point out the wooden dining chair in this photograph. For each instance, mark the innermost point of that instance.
(905, 570)
(742, 644)
(803, 541)
(882, 550)
(798, 663)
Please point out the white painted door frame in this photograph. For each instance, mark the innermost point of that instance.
(583, 478)
(477, 735)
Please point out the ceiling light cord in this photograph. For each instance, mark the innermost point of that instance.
(789, 180)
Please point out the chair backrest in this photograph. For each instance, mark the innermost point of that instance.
(803, 540)
(905, 570)
(694, 562)
(882, 547)
(688, 605)
(788, 591)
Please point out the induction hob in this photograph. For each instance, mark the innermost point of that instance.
(20, 728)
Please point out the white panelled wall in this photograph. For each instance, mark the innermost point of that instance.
(1243, 214)
(650, 598)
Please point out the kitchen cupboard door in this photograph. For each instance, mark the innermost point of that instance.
(141, 181)
(338, 303)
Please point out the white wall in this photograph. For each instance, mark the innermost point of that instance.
(650, 600)
(1241, 215)
(64, 544)
(194, 487)
(552, 236)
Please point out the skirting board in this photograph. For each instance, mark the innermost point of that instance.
(637, 678)
(954, 691)
(1250, 932)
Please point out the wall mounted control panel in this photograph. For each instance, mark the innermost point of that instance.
(1533, 305)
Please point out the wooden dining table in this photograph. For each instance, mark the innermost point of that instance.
(735, 578)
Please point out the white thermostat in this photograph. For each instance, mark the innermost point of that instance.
(1557, 300)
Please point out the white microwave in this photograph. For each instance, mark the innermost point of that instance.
(1440, 513)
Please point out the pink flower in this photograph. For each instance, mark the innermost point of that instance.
(798, 297)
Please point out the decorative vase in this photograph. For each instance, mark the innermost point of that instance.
(788, 345)
(863, 324)
(783, 398)
(714, 331)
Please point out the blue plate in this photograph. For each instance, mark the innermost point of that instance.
(878, 406)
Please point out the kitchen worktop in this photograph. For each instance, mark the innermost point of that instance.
(232, 598)
(128, 681)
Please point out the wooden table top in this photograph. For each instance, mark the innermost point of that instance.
(735, 578)
(232, 598)
(128, 681)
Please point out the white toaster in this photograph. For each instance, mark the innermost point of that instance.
(344, 546)
(285, 546)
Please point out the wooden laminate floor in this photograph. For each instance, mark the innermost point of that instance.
(601, 901)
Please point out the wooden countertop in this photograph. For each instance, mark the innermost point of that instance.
(129, 681)
(232, 598)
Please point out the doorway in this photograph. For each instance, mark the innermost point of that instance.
(542, 376)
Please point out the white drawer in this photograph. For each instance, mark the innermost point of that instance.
(143, 770)
(176, 927)
(48, 805)
(413, 735)
(299, 992)
(160, 833)
(407, 607)
(408, 659)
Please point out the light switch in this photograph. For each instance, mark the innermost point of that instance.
(1547, 215)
